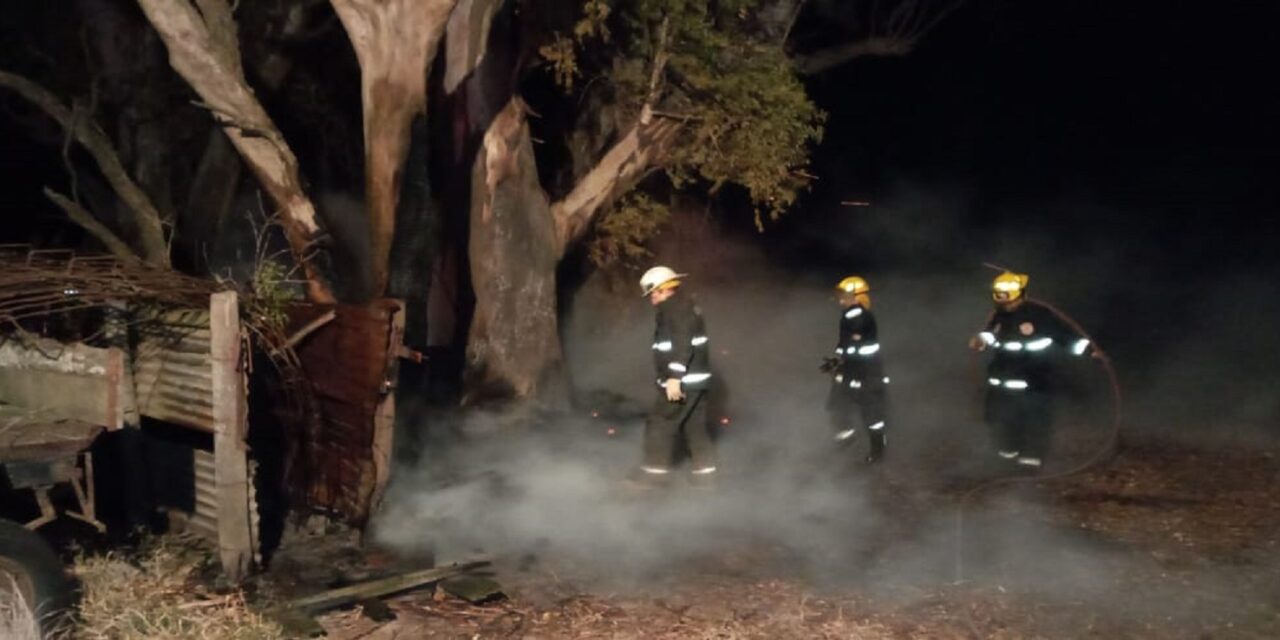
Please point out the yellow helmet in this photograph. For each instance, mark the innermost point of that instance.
(1009, 286)
(854, 285)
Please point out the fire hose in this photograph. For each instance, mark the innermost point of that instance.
(1102, 454)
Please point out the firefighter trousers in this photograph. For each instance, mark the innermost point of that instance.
(673, 423)
(1021, 421)
(870, 402)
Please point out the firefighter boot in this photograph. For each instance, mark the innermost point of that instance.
(877, 447)
(646, 478)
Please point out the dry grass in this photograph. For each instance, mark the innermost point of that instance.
(157, 595)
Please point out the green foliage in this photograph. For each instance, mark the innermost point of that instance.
(750, 123)
(271, 294)
(620, 235)
(562, 52)
(745, 117)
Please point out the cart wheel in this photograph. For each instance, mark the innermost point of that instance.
(29, 568)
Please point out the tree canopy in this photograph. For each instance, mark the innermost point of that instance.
(743, 114)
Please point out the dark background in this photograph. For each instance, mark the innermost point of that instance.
(1159, 115)
(1123, 153)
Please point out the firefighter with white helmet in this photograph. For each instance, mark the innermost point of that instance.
(1023, 337)
(858, 382)
(681, 358)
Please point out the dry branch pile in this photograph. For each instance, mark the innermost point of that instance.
(36, 283)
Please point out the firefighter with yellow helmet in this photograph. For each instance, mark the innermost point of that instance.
(858, 382)
(681, 357)
(1023, 337)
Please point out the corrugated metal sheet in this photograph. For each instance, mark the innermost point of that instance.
(204, 520)
(348, 364)
(172, 369)
(175, 372)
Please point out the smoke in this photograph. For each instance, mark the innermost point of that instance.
(786, 496)
(249, 235)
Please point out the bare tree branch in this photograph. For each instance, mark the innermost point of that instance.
(78, 215)
(894, 32)
(197, 42)
(151, 241)
(655, 75)
(625, 163)
(825, 59)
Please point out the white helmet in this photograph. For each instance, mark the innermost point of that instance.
(656, 277)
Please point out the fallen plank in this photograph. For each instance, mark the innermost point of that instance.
(473, 589)
(377, 588)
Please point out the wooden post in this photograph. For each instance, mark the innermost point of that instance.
(230, 419)
(384, 419)
(116, 334)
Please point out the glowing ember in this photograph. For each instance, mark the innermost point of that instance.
(724, 421)
(612, 431)
(595, 414)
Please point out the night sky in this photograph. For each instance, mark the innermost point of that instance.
(1161, 114)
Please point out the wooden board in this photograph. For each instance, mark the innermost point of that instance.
(30, 436)
(64, 380)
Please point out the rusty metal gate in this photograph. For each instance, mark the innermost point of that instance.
(349, 363)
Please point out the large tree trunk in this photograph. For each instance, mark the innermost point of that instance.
(517, 241)
(395, 41)
(203, 50)
(417, 244)
(514, 345)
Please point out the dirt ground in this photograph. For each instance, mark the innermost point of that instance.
(1161, 542)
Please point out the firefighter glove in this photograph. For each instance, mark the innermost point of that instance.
(829, 364)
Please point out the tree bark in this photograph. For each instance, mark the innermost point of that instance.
(202, 50)
(395, 42)
(513, 349)
(145, 218)
(417, 241)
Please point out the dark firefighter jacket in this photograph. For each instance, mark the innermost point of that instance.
(858, 349)
(1024, 341)
(680, 347)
